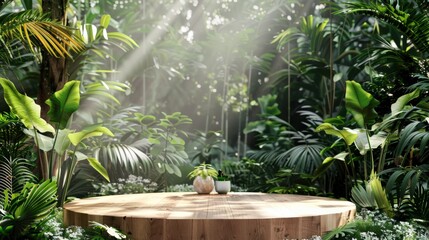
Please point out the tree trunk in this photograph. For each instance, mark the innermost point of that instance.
(53, 72)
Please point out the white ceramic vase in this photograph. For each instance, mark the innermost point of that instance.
(223, 187)
(203, 186)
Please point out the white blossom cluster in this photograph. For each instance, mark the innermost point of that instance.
(180, 188)
(57, 232)
(133, 184)
(375, 225)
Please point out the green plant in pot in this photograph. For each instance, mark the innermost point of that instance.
(222, 183)
(203, 176)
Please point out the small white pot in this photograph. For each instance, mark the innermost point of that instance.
(203, 186)
(223, 187)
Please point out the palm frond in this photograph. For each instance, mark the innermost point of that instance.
(37, 30)
(388, 59)
(5, 180)
(373, 195)
(363, 197)
(419, 204)
(304, 158)
(101, 43)
(410, 20)
(404, 182)
(22, 173)
(121, 160)
(411, 137)
(33, 204)
(100, 97)
(267, 153)
(422, 84)
(349, 228)
(82, 181)
(4, 3)
(14, 174)
(12, 138)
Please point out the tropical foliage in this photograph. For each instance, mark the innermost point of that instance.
(259, 89)
(58, 166)
(203, 170)
(374, 224)
(33, 30)
(24, 211)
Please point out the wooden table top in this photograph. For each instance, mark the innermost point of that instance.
(185, 205)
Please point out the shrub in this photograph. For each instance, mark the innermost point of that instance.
(374, 225)
(133, 184)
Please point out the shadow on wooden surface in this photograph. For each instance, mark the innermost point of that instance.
(190, 216)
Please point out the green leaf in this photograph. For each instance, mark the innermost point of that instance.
(28, 4)
(350, 228)
(380, 195)
(24, 107)
(341, 156)
(112, 232)
(64, 103)
(257, 126)
(154, 141)
(123, 38)
(176, 170)
(43, 142)
(168, 168)
(91, 131)
(268, 105)
(393, 179)
(99, 168)
(338, 76)
(146, 120)
(177, 140)
(105, 20)
(360, 103)
(80, 156)
(348, 135)
(403, 100)
(33, 204)
(362, 144)
(62, 141)
(36, 31)
(363, 197)
(326, 164)
(203, 170)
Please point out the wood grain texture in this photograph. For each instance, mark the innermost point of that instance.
(190, 216)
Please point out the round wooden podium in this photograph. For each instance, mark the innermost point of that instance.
(190, 216)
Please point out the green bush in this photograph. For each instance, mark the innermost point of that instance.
(133, 184)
